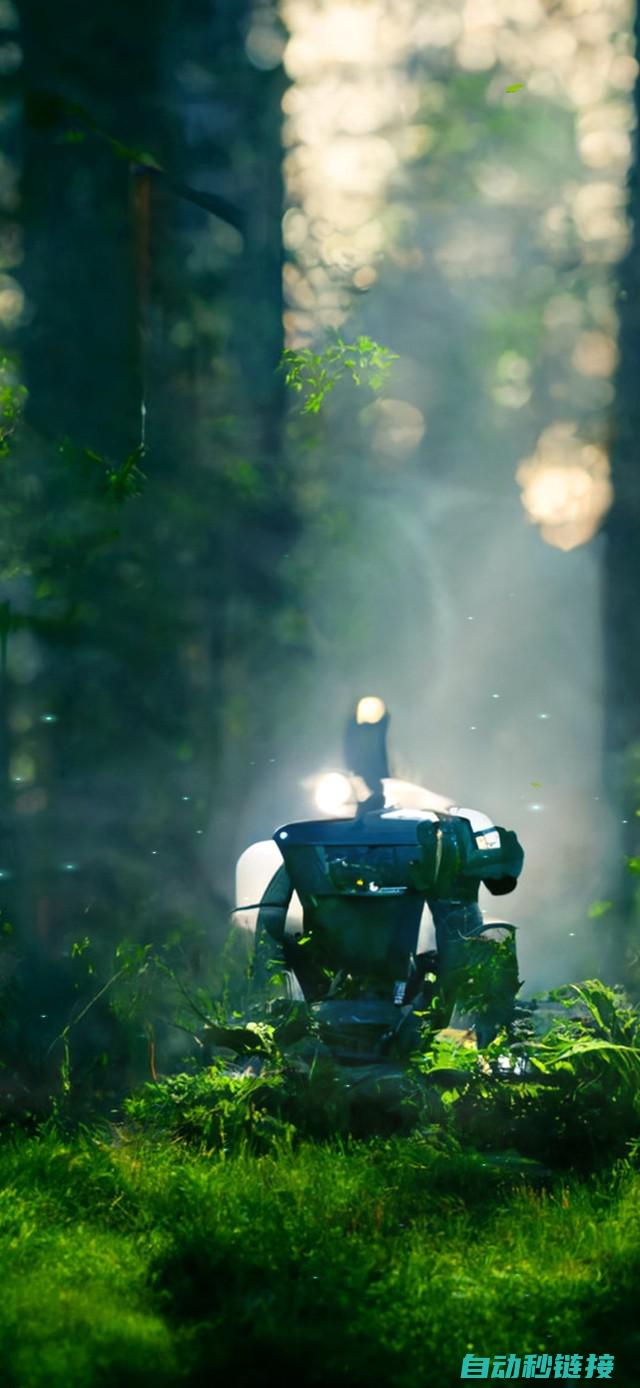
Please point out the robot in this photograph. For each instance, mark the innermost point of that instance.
(362, 881)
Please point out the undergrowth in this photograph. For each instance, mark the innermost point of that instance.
(244, 1224)
(566, 1093)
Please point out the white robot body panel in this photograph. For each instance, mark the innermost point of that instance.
(254, 870)
(405, 795)
(427, 932)
(478, 821)
(404, 798)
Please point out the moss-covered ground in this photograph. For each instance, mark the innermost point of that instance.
(381, 1262)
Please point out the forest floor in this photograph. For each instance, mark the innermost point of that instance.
(383, 1262)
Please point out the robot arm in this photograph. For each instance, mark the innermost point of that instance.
(500, 886)
(490, 853)
(274, 905)
(270, 962)
(496, 858)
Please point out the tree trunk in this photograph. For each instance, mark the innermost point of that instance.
(622, 589)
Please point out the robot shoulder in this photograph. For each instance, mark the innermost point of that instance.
(254, 870)
(478, 821)
(500, 847)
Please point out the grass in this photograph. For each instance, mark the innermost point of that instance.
(277, 1219)
(381, 1262)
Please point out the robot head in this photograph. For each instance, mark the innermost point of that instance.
(365, 741)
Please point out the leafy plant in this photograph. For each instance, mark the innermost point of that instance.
(115, 482)
(569, 1095)
(217, 1108)
(315, 374)
(13, 397)
(602, 1048)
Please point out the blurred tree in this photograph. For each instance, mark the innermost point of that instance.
(138, 626)
(622, 589)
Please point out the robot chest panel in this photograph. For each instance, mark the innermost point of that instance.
(365, 934)
(354, 870)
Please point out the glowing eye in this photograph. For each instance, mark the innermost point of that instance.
(333, 792)
(370, 709)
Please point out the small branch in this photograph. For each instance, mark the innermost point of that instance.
(65, 1032)
(181, 988)
(192, 1034)
(152, 1053)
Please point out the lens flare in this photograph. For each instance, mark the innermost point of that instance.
(334, 792)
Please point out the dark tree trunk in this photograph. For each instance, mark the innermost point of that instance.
(81, 363)
(622, 589)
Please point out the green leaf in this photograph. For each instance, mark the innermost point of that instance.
(79, 946)
(598, 908)
(132, 155)
(514, 87)
(316, 374)
(128, 479)
(256, 1038)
